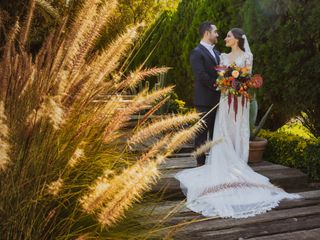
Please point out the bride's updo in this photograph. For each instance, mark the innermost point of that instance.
(238, 33)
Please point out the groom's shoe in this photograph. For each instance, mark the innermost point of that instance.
(200, 164)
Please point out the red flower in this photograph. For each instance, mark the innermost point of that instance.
(220, 68)
(256, 81)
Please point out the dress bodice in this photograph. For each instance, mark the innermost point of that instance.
(245, 60)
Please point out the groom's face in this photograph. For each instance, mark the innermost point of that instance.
(213, 35)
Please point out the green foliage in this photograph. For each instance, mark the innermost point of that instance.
(295, 127)
(48, 13)
(133, 12)
(254, 130)
(175, 105)
(293, 151)
(253, 115)
(285, 40)
(175, 34)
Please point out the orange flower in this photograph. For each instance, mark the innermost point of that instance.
(244, 70)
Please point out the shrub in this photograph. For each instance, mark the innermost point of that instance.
(176, 105)
(293, 151)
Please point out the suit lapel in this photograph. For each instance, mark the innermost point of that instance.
(216, 53)
(206, 52)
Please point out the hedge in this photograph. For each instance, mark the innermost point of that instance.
(293, 151)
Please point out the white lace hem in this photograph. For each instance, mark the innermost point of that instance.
(240, 202)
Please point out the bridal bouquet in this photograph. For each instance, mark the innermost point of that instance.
(235, 81)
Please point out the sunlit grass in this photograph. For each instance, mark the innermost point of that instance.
(67, 170)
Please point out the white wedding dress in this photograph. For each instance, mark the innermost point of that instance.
(226, 186)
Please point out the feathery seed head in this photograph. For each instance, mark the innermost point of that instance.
(55, 187)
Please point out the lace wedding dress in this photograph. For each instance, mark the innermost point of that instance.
(226, 186)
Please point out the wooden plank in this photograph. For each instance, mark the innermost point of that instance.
(310, 194)
(309, 198)
(185, 149)
(312, 234)
(190, 162)
(267, 229)
(182, 212)
(179, 163)
(218, 223)
(179, 155)
(266, 171)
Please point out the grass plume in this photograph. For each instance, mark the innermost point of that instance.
(4, 136)
(66, 172)
(160, 126)
(206, 147)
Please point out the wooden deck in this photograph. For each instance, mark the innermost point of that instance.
(291, 220)
(294, 219)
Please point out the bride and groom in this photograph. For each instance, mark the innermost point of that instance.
(223, 184)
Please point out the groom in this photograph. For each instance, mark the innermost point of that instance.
(203, 59)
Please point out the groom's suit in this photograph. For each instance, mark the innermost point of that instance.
(205, 94)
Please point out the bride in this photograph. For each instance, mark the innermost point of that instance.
(226, 186)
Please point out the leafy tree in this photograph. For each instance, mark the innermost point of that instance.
(175, 34)
(130, 12)
(286, 42)
(46, 16)
(49, 12)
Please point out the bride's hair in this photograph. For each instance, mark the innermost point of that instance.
(238, 34)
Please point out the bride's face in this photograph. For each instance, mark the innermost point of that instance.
(230, 40)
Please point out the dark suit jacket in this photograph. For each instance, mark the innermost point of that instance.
(202, 64)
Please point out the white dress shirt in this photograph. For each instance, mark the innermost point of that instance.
(210, 49)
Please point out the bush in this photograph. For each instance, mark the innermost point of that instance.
(295, 127)
(293, 151)
(176, 105)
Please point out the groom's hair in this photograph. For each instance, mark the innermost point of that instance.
(205, 26)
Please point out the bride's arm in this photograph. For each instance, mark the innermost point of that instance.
(249, 61)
